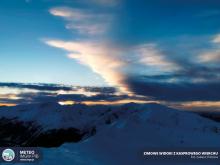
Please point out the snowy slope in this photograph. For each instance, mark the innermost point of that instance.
(123, 132)
(123, 141)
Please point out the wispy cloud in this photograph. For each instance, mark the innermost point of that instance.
(216, 39)
(212, 55)
(150, 55)
(87, 28)
(83, 21)
(68, 13)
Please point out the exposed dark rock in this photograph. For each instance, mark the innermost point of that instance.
(55, 138)
(29, 134)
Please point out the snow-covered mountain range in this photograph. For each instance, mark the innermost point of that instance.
(104, 134)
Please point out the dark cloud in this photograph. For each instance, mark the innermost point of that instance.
(97, 97)
(179, 91)
(107, 90)
(42, 87)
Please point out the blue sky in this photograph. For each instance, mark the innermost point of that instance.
(154, 48)
(25, 58)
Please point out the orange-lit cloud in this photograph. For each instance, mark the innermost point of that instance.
(9, 96)
(116, 102)
(202, 104)
(7, 104)
(197, 105)
(69, 102)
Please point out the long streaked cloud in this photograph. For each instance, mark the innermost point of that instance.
(100, 58)
(115, 64)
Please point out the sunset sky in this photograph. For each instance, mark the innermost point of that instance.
(165, 50)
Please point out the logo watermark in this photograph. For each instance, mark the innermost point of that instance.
(8, 155)
(21, 154)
